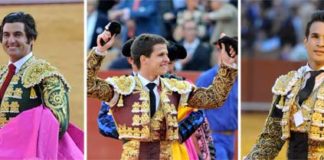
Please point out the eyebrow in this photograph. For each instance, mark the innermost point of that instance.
(13, 32)
(163, 52)
(316, 34)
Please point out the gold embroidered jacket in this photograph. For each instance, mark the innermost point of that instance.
(131, 112)
(37, 82)
(280, 122)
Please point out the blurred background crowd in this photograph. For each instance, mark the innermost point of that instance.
(276, 29)
(193, 23)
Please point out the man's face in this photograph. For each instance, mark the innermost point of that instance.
(158, 62)
(314, 44)
(190, 31)
(14, 41)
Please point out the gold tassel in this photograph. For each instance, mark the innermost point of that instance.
(120, 101)
(32, 94)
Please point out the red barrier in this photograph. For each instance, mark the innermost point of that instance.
(258, 76)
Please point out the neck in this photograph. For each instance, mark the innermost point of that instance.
(148, 75)
(315, 66)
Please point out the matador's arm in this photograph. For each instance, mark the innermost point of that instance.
(97, 87)
(215, 95)
(56, 98)
(269, 142)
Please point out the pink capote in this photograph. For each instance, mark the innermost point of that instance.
(33, 134)
(192, 153)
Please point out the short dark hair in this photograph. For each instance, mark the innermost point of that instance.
(26, 19)
(317, 16)
(143, 45)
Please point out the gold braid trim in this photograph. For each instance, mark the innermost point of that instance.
(39, 70)
(316, 132)
(269, 142)
(56, 98)
(130, 150)
(215, 95)
(315, 150)
(3, 70)
(166, 150)
(97, 87)
(320, 94)
(288, 109)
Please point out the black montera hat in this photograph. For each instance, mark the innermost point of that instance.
(176, 51)
(126, 50)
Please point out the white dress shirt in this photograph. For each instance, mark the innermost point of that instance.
(144, 82)
(21, 61)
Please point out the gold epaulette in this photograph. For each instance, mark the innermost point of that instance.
(180, 86)
(123, 85)
(285, 83)
(39, 70)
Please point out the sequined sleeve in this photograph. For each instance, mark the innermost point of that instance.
(216, 94)
(269, 142)
(96, 87)
(57, 100)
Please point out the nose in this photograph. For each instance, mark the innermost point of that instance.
(11, 39)
(320, 42)
(166, 58)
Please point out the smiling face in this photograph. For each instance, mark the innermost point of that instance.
(157, 63)
(14, 41)
(314, 44)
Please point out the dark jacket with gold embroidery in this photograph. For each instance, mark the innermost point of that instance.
(306, 141)
(131, 112)
(37, 82)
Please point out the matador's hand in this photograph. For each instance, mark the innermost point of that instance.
(230, 61)
(105, 36)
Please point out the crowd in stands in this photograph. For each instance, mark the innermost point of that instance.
(195, 24)
(275, 29)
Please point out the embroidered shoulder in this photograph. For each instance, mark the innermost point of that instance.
(38, 70)
(182, 87)
(285, 83)
(123, 85)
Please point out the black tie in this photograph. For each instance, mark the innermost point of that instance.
(307, 90)
(151, 86)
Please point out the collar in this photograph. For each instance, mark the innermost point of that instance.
(21, 61)
(144, 81)
(134, 73)
(191, 46)
(308, 68)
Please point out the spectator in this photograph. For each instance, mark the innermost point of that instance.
(198, 52)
